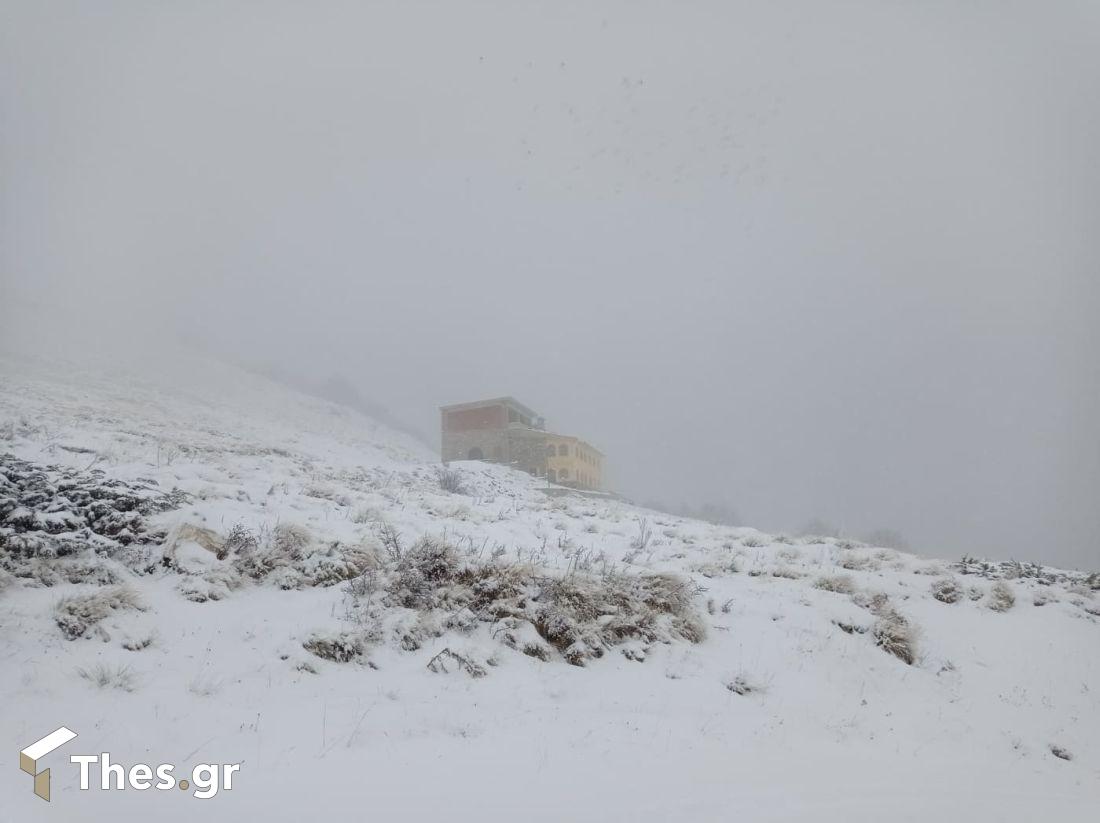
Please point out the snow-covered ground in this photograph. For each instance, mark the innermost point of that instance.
(769, 693)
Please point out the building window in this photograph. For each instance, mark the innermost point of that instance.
(563, 450)
(475, 454)
(551, 450)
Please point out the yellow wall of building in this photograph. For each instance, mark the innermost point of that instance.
(582, 463)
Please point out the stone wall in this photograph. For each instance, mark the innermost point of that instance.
(493, 444)
(527, 450)
(520, 448)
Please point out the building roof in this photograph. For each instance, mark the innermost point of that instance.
(496, 401)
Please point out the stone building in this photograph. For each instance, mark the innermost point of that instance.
(503, 430)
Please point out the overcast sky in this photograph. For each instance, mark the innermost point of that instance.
(834, 260)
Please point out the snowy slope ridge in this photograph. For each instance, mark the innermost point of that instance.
(199, 565)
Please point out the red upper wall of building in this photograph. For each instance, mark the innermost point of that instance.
(484, 417)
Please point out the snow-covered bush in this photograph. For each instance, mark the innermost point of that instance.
(712, 569)
(423, 574)
(581, 614)
(893, 633)
(340, 647)
(411, 635)
(874, 602)
(1001, 597)
(840, 583)
(857, 561)
(77, 614)
(1044, 596)
(850, 628)
(335, 563)
(947, 590)
(216, 584)
(517, 633)
(290, 540)
(744, 685)
(291, 559)
(139, 643)
(788, 554)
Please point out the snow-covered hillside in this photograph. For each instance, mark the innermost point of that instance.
(200, 565)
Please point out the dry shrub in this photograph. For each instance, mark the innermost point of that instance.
(519, 634)
(103, 676)
(582, 616)
(744, 685)
(281, 551)
(291, 559)
(1044, 596)
(336, 563)
(894, 634)
(840, 584)
(947, 590)
(711, 569)
(239, 541)
(290, 540)
(214, 585)
(411, 636)
(340, 647)
(450, 480)
(420, 574)
(440, 663)
(93, 570)
(850, 628)
(1001, 597)
(77, 614)
(874, 602)
(137, 644)
(930, 570)
(857, 561)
